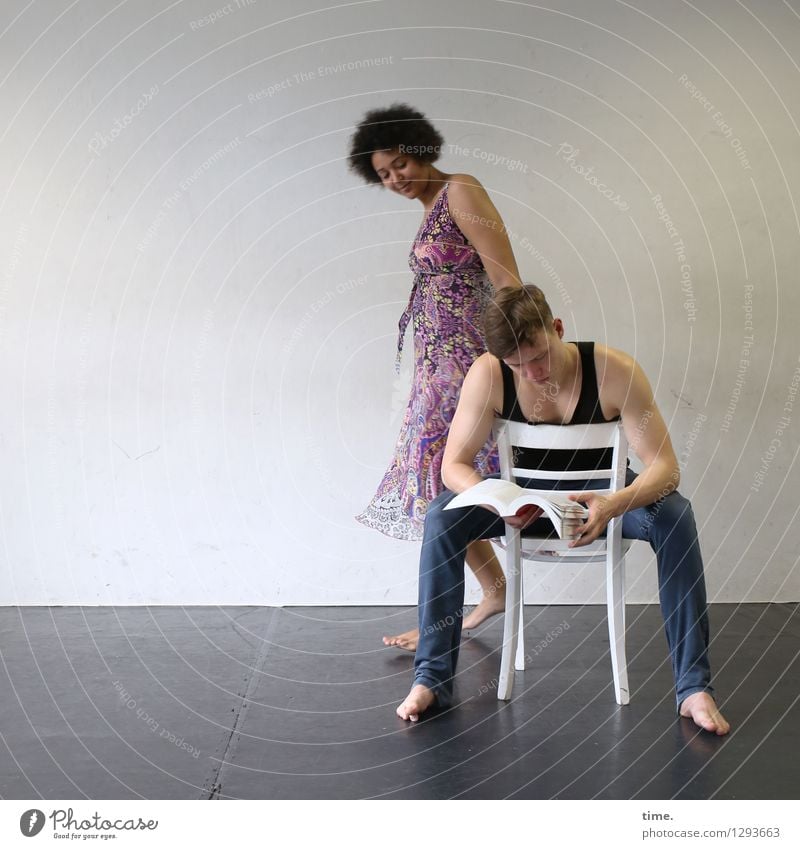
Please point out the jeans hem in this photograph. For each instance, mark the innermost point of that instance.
(440, 693)
(690, 691)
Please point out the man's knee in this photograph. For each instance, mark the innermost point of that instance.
(437, 519)
(674, 515)
(464, 524)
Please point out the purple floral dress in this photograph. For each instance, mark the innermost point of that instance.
(449, 292)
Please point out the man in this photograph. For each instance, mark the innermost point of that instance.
(532, 374)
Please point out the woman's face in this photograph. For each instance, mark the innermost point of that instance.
(401, 173)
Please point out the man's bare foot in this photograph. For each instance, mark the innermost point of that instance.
(489, 605)
(417, 701)
(702, 710)
(407, 640)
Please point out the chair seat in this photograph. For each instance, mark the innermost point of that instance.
(551, 549)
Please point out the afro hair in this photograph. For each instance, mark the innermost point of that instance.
(397, 127)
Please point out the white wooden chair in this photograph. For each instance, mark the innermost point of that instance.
(609, 550)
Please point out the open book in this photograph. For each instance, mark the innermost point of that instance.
(507, 498)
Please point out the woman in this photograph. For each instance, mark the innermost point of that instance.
(460, 243)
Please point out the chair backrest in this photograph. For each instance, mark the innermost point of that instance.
(589, 442)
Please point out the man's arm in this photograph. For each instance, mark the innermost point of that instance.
(476, 216)
(472, 423)
(481, 395)
(624, 386)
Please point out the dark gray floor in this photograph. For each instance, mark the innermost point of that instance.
(268, 703)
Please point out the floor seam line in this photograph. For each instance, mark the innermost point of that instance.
(213, 786)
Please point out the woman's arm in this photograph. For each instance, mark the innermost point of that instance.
(478, 219)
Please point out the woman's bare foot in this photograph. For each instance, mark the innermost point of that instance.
(407, 640)
(483, 562)
(703, 711)
(489, 605)
(417, 701)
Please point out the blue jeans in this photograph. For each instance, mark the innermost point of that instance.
(668, 525)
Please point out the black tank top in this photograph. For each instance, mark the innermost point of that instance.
(587, 411)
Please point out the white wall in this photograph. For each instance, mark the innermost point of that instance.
(198, 310)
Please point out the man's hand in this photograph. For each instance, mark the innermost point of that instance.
(600, 514)
(525, 516)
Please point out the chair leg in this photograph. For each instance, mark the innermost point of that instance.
(505, 683)
(519, 658)
(615, 593)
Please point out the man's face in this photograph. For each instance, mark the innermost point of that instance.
(538, 362)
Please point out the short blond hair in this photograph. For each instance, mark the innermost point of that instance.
(515, 317)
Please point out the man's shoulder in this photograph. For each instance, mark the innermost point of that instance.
(612, 363)
(486, 367)
(618, 376)
(621, 381)
(485, 377)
